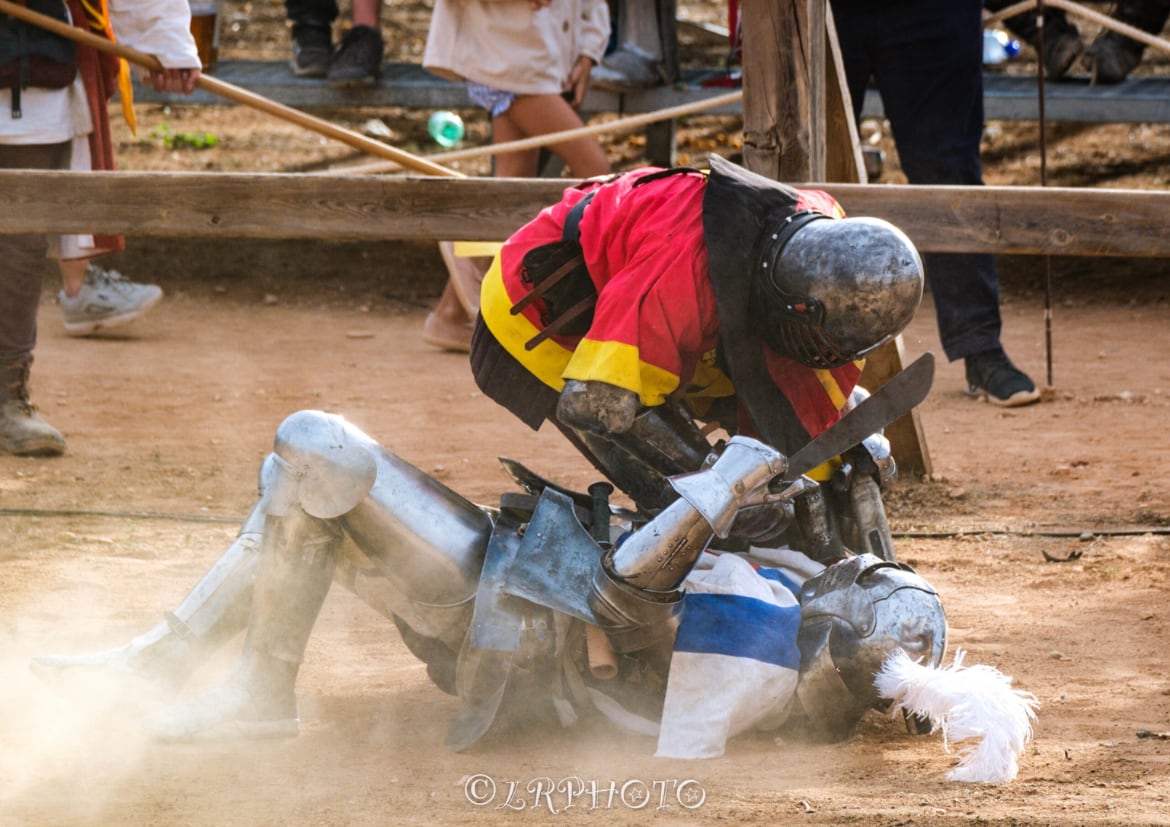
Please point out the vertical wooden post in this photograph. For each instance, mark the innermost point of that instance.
(817, 102)
(907, 440)
(843, 161)
(798, 126)
(775, 90)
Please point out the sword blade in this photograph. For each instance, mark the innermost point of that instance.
(892, 400)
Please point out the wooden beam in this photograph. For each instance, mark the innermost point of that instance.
(1063, 221)
(1015, 220)
(817, 14)
(228, 205)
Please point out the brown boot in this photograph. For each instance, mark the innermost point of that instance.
(22, 431)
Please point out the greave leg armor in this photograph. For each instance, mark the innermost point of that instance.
(213, 612)
(298, 556)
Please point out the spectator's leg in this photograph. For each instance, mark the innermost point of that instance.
(931, 81)
(927, 60)
(539, 115)
(22, 269)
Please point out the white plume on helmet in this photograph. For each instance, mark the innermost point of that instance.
(974, 706)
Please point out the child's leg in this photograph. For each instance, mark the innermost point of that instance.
(523, 164)
(541, 114)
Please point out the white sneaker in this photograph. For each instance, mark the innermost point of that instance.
(107, 299)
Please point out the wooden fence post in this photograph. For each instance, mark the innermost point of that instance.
(798, 126)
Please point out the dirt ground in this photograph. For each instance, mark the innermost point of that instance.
(1044, 529)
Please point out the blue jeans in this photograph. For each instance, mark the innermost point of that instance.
(926, 59)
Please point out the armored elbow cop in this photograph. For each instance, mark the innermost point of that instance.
(637, 448)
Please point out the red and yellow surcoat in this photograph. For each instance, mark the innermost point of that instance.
(655, 326)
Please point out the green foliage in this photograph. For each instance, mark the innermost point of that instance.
(183, 140)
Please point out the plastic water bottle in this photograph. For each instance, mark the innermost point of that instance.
(998, 46)
(446, 128)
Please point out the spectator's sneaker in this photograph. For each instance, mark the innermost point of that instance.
(358, 61)
(992, 376)
(107, 299)
(312, 49)
(1063, 48)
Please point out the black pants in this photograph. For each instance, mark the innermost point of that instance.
(315, 12)
(926, 58)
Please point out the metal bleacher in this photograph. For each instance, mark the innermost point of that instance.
(410, 86)
(1008, 97)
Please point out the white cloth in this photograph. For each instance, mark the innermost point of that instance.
(157, 27)
(50, 116)
(736, 661)
(508, 46)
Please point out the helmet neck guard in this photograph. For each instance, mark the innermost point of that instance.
(737, 205)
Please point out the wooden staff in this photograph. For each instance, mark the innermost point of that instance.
(235, 93)
(550, 138)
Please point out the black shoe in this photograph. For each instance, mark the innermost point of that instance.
(312, 49)
(992, 376)
(1063, 48)
(358, 61)
(1112, 57)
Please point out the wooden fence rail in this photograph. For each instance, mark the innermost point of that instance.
(1015, 220)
